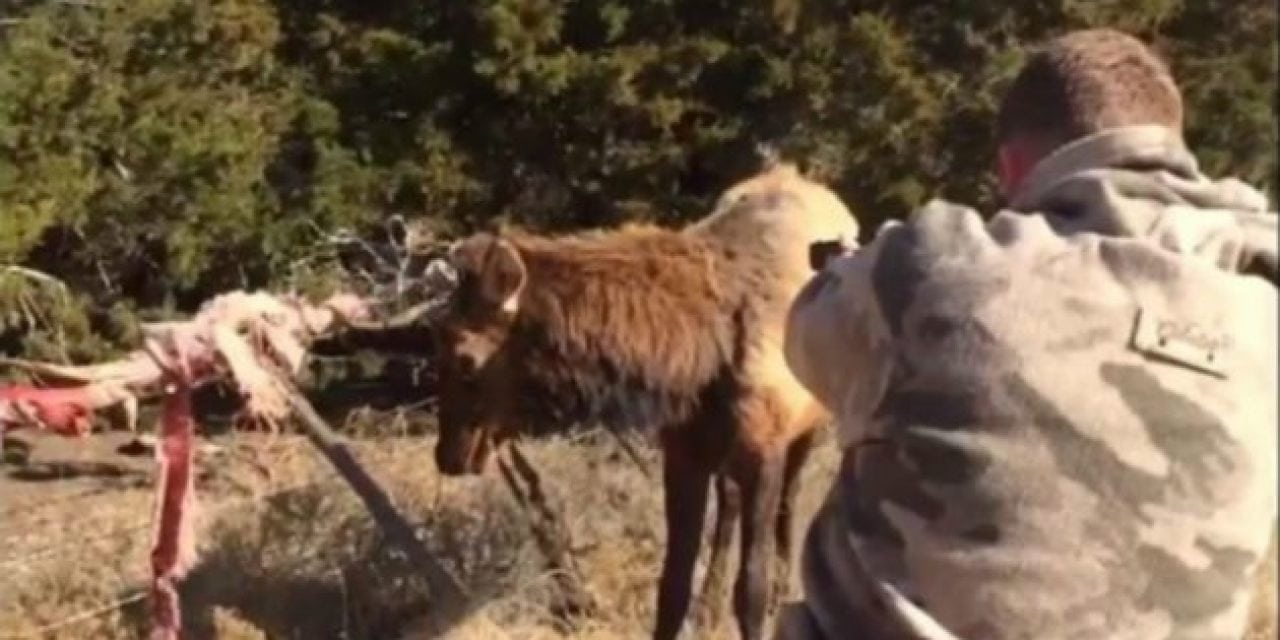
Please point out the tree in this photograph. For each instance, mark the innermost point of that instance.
(142, 144)
(156, 152)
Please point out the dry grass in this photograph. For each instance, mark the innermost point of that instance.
(307, 563)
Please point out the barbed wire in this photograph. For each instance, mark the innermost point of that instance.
(17, 560)
(399, 414)
(135, 596)
(28, 506)
(138, 594)
(39, 506)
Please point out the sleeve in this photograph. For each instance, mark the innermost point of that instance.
(832, 324)
(846, 322)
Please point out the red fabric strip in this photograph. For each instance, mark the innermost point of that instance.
(173, 546)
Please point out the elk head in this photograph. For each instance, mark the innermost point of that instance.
(471, 331)
(467, 302)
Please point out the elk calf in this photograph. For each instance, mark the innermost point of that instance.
(675, 330)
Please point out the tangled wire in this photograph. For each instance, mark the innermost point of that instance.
(408, 277)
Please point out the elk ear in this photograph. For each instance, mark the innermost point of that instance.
(502, 276)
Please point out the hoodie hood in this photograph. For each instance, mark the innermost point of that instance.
(1142, 182)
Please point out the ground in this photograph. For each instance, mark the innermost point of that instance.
(287, 551)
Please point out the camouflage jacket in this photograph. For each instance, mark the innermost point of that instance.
(1056, 423)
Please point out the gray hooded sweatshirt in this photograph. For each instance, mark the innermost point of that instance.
(1057, 423)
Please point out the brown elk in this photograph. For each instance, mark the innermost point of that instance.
(678, 330)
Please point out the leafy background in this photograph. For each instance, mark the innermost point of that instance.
(154, 153)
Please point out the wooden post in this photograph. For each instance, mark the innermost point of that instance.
(452, 603)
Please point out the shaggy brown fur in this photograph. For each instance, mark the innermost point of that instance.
(643, 307)
(652, 328)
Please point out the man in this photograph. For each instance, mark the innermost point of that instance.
(1061, 422)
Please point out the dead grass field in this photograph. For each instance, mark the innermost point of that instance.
(291, 554)
(294, 555)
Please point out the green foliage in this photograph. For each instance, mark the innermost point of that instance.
(156, 152)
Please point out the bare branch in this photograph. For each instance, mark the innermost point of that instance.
(549, 531)
(36, 275)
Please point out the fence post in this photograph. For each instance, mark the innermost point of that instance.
(451, 601)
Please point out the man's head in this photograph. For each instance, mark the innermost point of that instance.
(1077, 85)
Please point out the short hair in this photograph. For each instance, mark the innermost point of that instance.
(1085, 82)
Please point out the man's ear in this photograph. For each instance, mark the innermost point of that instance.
(1014, 160)
(502, 275)
(1005, 170)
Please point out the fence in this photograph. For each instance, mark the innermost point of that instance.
(18, 566)
(546, 524)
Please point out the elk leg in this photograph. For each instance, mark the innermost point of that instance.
(714, 587)
(797, 455)
(685, 483)
(761, 483)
